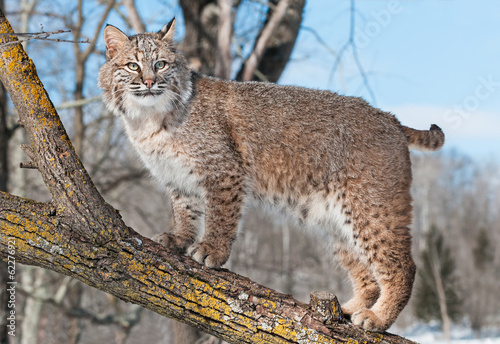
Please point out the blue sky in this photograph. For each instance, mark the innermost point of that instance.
(427, 61)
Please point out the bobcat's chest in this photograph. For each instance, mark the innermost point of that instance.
(173, 171)
(168, 164)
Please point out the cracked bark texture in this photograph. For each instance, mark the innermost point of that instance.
(78, 234)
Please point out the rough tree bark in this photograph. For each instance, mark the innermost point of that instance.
(224, 34)
(78, 234)
(207, 47)
(200, 39)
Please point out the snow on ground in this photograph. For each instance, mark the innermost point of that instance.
(460, 334)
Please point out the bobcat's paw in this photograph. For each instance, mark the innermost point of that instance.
(208, 255)
(366, 319)
(172, 242)
(351, 306)
(357, 303)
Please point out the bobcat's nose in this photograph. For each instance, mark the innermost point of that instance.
(149, 83)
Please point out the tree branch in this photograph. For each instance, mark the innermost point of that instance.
(78, 103)
(137, 270)
(42, 36)
(133, 16)
(280, 45)
(97, 31)
(262, 41)
(351, 43)
(52, 150)
(224, 34)
(78, 234)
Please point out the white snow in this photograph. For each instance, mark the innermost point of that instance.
(460, 334)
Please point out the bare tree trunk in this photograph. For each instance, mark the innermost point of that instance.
(275, 43)
(206, 47)
(31, 280)
(225, 32)
(201, 19)
(443, 308)
(81, 57)
(263, 40)
(78, 124)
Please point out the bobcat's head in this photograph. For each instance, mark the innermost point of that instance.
(143, 72)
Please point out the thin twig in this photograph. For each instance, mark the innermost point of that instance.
(338, 62)
(102, 20)
(30, 34)
(355, 52)
(28, 150)
(39, 35)
(351, 44)
(29, 165)
(320, 40)
(78, 103)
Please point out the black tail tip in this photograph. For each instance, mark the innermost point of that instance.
(435, 127)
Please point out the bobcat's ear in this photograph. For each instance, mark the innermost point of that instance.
(114, 40)
(167, 32)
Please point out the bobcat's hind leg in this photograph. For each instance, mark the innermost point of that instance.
(394, 271)
(365, 287)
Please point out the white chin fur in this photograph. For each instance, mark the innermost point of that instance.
(146, 101)
(140, 106)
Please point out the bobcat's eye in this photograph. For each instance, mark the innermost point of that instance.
(160, 65)
(133, 66)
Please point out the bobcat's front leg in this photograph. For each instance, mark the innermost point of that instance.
(188, 215)
(223, 207)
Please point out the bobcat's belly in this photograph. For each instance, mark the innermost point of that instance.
(323, 214)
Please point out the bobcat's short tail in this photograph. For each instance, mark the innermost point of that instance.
(431, 140)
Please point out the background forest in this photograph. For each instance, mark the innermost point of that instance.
(456, 226)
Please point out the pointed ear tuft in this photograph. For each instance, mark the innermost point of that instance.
(114, 40)
(167, 32)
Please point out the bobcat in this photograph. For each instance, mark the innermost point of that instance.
(334, 163)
